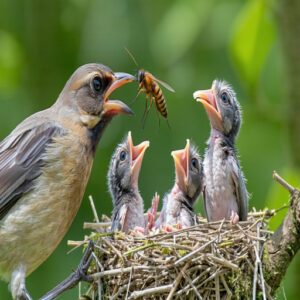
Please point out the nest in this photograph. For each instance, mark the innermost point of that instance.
(215, 260)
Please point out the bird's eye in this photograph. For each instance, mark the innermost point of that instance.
(225, 98)
(123, 156)
(194, 163)
(97, 84)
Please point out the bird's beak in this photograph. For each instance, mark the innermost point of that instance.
(181, 160)
(137, 155)
(207, 98)
(115, 107)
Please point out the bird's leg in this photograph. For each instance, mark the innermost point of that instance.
(138, 231)
(234, 217)
(152, 211)
(17, 284)
(80, 274)
(179, 226)
(168, 228)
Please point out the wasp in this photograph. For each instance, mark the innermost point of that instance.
(149, 84)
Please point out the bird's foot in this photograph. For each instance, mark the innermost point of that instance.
(151, 215)
(179, 226)
(151, 220)
(80, 274)
(234, 217)
(23, 294)
(138, 231)
(168, 228)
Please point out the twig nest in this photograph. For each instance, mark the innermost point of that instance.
(208, 261)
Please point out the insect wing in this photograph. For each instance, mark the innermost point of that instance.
(164, 84)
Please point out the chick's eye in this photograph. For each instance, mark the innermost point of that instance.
(123, 156)
(225, 98)
(97, 84)
(194, 163)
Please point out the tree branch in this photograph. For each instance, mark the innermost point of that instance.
(285, 242)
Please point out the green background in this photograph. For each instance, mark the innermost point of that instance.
(185, 43)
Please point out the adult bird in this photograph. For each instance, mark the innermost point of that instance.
(123, 175)
(225, 194)
(178, 203)
(45, 164)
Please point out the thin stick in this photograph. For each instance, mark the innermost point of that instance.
(96, 226)
(193, 253)
(129, 281)
(229, 293)
(177, 280)
(217, 283)
(282, 182)
(94, 209)
(185, 275)
(108, 243)
(118, 271)
(260, 264)
(150, 291)
(223, 262)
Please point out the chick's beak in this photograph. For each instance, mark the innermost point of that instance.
(207, 98)
(115, 107)
(137, 155)
(181, 160)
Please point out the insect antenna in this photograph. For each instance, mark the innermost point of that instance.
(131, 56)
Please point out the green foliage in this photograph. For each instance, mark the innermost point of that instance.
(179, 28)
(278, 196)
(185, 43)
(10, 61)
(252, 38)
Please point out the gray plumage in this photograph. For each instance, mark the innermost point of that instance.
(225, 191)
(128, 211)
(178, 203)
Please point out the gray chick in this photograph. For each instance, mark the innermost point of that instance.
(225, 193)
(178, 203)
(123, 175)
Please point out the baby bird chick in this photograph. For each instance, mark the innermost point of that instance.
(178, 203)
(123, 175)
(225, 192)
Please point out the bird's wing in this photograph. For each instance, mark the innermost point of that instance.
(119, 218)
(123, 216)
(21, 159)
(240, 188)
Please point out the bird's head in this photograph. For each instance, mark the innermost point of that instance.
(188, 170)
(126, 164)
(222, 107)
(87, 94)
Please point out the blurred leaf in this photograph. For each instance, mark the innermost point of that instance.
(10, 61)
(278, 196)
(252, 37)
(179, 29)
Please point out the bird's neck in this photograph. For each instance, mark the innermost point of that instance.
(119, 194)
(94, 134)
(183, 198)
(217, 136)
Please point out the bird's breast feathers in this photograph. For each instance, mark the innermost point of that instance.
(219, 188)
(40, 218)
